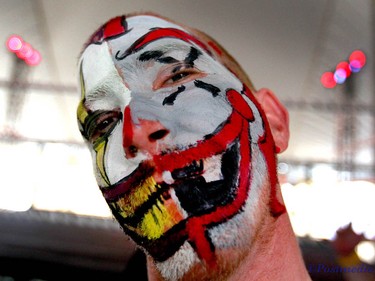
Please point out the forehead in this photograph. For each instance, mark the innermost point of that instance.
(119, 37)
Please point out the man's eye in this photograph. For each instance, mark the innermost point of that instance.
(103, 124)
(181, 76)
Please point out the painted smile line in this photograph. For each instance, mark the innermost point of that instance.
(212, 145)
(197, 189)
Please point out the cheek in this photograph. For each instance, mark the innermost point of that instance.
(116, 165)
(195, 117)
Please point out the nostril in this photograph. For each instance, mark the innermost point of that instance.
(131, 151)
(158, 135)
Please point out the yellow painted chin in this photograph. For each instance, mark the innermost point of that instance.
(158, 219)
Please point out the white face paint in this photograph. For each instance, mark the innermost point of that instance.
(173, 133)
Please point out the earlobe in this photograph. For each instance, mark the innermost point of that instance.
(277, 116)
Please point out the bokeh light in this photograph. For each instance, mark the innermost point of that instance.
(339, 76)
(23, 50)
(344, 69)
(357, 60)
(328, 80)
(344, 66)
(14, 43)
(34, 59)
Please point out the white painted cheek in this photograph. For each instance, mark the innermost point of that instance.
(116, 165)
(218, 74)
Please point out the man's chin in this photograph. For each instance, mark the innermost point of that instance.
(185, 264)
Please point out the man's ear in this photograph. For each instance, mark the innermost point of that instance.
(277, 116)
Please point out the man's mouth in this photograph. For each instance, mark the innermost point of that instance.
(150, 209)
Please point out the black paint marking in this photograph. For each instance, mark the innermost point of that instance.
(157, 56)
(192, 56)
(198, 197)
(150, 55)
(167, 60)
(208, 87)
(172, 97)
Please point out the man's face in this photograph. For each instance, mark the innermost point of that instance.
(174, 135)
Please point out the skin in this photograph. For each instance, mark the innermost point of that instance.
(184, 152)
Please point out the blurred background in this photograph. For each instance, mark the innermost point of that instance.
(316, 55)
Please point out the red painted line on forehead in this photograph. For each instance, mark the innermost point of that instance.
(160, 33)
(114, 27)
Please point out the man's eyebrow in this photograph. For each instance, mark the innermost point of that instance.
(150, 55)
(156, 55)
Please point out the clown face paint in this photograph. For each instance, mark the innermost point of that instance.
(180, 146)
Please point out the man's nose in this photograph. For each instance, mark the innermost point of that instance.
(142, 136)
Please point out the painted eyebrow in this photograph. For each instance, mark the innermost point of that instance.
(150, 55)
(156, 55)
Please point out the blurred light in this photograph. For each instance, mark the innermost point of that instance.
(339, 76)
(357, 60)
(366, 251)
(23, 50)
(323, 174)
(344, 66)
(320, 208)
(34, 59)
(328, 80)
(282, 168)
(14, 43)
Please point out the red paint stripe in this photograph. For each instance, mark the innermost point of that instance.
(127, 130)
(207, 148)
(215, 47)
(268, 148)
(197, 226)
(164, 33)
(240, 105)
(114, 27)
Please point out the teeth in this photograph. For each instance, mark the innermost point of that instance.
(212, 167)
(209, 168)
(167, 177)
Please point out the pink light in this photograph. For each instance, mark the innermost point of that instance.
(357, 60)
(327, 80)
(14, 43)
(23, 50)
(344, 66)
(34, 59)
(26, 51)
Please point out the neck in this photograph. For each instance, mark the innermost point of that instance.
(274, 255)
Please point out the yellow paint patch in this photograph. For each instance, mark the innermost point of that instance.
(159, 219)
(100, 150)
(81, 112)
(137, 197)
